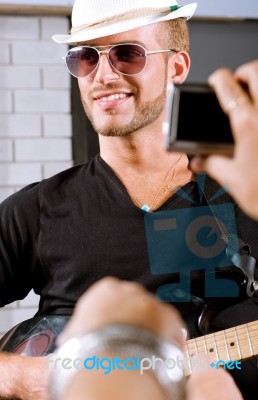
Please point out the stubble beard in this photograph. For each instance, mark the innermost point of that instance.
(144, 115)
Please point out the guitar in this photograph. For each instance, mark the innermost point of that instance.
(36, 337)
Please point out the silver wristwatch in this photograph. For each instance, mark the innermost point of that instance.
(147, 353)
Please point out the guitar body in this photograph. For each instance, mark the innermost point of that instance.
(34, 337)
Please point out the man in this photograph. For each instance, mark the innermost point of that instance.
(65, 233)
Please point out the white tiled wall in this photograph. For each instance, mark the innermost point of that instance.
(35, 119)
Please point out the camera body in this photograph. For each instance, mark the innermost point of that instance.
(195, 123)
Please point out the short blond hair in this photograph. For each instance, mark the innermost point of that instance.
(174, 34)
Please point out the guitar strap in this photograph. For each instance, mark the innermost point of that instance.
(238, 251)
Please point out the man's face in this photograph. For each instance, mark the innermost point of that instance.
(141, 97)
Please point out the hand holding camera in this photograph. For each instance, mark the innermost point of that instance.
(238, 96)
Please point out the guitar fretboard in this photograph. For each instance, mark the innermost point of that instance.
(238, 343)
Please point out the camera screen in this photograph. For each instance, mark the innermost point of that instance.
(201, 118)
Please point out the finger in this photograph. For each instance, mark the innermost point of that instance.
(248, 74)
(229, 91)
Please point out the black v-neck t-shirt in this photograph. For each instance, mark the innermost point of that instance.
(62, 234)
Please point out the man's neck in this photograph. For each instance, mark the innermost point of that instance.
(144, 166)
(142, 152)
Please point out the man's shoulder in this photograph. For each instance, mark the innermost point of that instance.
(29, 197)
(21, 198)
(68, 175)
(19, 207)
(69, 179)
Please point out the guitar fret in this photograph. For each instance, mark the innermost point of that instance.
(253, 333)
(205, 344)
(222, 345)
(201, 344)
(217, 354)
(210, 346)
(232, 348)
(225, 340)
(188, 366)
(239, 351)
(187, 350)
(249, 340)
(191, 348)
(195, 345)
(244, 341)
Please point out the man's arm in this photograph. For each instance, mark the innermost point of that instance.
(22, 377)
(126, 385)
(209, 384)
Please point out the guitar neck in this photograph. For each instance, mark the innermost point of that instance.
(237, 343)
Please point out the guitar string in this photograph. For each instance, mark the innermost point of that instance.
(225, 340)
(218, 342)
(249, 339)
(241, 330)
(215, 346)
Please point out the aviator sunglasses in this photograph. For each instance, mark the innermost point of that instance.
(127, 58)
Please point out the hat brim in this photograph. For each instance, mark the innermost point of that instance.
(186, 11)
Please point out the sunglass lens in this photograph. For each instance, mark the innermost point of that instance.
(81, 61)
(129, 59)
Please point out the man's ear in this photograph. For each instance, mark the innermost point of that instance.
(178, 67)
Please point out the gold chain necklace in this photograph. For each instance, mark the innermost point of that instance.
(159, 196)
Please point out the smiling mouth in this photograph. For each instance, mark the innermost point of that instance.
(112, 97)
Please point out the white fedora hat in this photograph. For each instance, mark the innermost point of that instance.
(92, 19)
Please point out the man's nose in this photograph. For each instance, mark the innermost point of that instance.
(105, 72)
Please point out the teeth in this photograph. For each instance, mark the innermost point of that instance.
(113, 97)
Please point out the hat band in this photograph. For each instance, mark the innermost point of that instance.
(143, 12)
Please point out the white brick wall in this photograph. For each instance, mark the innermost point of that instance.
(5, 53)
(35, 119)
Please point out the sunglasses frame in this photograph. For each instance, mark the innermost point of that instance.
(107, 52)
